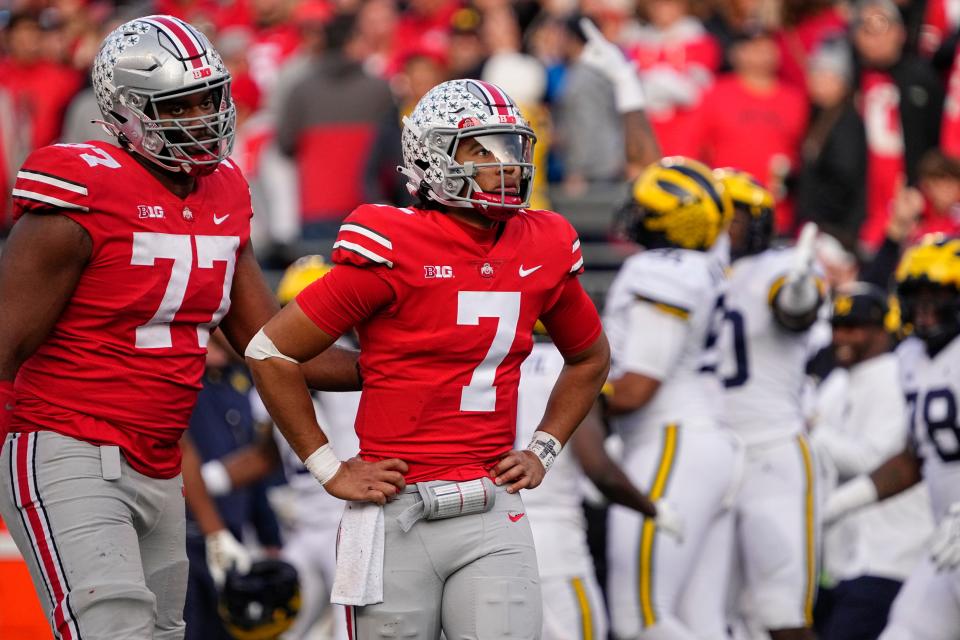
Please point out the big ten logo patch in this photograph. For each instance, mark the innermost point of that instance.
(149, 211)
(437, 271)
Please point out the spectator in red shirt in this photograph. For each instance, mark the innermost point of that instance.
(940, 186)
(754, 121)
(41, 89)
(677, 59)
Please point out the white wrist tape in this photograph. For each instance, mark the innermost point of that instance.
(849, 497)
(546, 447)
(216, 478)
(261, 347)
(323, 464)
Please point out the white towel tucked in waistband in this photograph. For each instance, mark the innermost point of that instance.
(359, 577)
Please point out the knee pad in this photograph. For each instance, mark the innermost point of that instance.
(375, 622)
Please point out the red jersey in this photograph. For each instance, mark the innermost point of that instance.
(123, 362)
(441, 363)
(880, 107)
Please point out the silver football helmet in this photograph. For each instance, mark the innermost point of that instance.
(148, 61)
(455, 111)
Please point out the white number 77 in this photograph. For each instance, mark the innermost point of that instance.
(481, 394)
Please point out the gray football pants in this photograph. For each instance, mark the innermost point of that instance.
(475, 577)
(107, 557)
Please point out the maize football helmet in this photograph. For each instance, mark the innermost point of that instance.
(154, 59)
(676, 203)
(299, 276)
(929, 274)
(451, 113)
(752, 198)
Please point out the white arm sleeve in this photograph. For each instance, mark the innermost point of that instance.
(655, 343)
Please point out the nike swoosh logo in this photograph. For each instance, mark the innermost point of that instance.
(514, 517)
(220, 220)
(525, 272)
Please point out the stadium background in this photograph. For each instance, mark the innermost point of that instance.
(772, 86)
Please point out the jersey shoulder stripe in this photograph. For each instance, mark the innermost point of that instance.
(361, 241)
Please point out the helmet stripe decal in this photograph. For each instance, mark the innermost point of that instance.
(704, 182)
(187, 45)
(497, 99)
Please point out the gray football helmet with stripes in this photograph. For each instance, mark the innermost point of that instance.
(455, 111)
(154, 59)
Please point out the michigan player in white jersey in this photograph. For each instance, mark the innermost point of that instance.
(928, 285)
(658, 316)
(309, 514)
(772, 300)
(572, 603)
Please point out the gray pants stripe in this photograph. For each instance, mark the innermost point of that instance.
(33, 515)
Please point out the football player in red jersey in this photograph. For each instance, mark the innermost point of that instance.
(122, 261)
(444, 297)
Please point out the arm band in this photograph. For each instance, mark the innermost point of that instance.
(546, 447)
(323, 464)
(261, 347)
(216, 478)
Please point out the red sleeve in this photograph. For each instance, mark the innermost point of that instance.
(573, 321)
(343, 298)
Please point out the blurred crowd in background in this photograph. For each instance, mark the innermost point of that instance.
(845, 111)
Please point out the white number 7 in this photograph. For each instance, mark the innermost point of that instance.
(481, 394)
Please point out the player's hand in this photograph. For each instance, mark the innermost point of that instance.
(225, 553)
(945, 546)
(519, 469)
(669, 520)
(364, 481)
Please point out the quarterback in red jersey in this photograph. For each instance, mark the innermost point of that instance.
(122, 261)
(444, 297)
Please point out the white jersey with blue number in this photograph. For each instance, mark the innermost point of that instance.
(762, 365)
(932, 388)
(687, 284)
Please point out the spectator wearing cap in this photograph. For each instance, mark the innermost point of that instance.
(754, 121)
(830, 183)
(677, 59)
(900, 100)
(860, 421)
(467, 51)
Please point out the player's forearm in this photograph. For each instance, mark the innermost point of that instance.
(639, 141)
(283, 390)
(897, 474)
(251, 463)
(576, 390)
(198, 500)
(336, 369)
